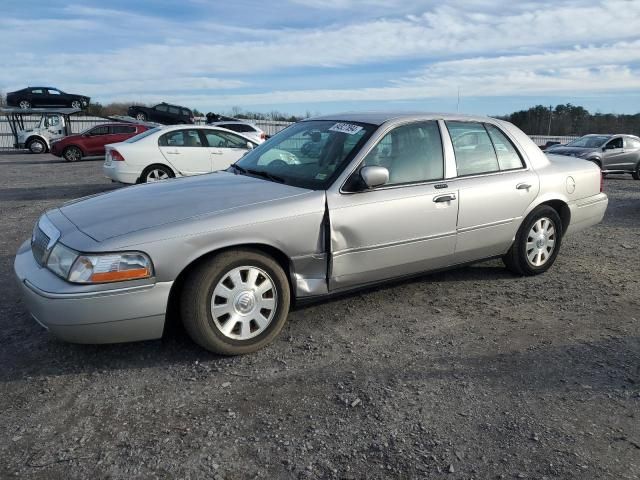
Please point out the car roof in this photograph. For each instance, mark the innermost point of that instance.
(184, 126)
(378, 118)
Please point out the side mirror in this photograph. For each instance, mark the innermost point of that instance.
(374, 176)
(250, 145)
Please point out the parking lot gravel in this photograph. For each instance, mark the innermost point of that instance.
(470, 373)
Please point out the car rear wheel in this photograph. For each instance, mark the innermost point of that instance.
(155, 173)
(72, 154)
(24, 104)
(236, 302)
(537, 243)
(141, 116)
(37, 146)
(76, 104)
(636, 173)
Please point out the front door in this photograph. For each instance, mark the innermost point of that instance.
(613, 157)
(225, 148)
(185, 150)
(405, 226)
(494, 187)
(96, 139)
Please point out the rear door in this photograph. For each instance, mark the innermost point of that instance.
(186, 151)
(225, 148)
(120, 133)
(494, 185)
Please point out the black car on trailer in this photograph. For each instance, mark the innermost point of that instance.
(163, 113)
(46, 97)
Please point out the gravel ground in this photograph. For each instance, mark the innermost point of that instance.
(472, 373)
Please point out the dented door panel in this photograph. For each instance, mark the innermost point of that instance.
(390, 232)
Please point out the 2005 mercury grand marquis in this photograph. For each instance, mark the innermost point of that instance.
(380, 196)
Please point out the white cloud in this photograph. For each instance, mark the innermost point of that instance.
(535, 45)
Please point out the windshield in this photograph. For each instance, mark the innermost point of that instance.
(308, 154)
(590, 141)
(140, 136)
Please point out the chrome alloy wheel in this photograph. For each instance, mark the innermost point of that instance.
(156, 175)
(76, 104)
(24, 104)
(541, 242)
(244, 302)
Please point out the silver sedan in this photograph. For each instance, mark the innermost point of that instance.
(383, 196)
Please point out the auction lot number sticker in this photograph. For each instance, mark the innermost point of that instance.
(346, 128)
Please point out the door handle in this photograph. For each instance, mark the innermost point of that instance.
(216, 152)
(175, 152)
(523, 186)
(444, 198)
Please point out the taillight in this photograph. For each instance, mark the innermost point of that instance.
(601, 182)
(116, 157)
(263, 136)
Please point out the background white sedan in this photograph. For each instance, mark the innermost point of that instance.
(174, 151)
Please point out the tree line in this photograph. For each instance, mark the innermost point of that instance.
(572, 120)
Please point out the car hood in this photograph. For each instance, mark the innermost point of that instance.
(140, 207)
(570, 151)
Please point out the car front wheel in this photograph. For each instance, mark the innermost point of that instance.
(141, 116)
(236, 302)
(24, 104)
(76, 104)
(537, 243)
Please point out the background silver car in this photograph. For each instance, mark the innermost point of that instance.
(612, 153)
(387, 196)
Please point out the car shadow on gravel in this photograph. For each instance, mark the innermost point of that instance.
(54, 192)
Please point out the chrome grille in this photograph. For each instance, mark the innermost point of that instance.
(39, 244)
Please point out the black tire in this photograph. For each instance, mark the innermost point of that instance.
(148, 176)
(37, 145)
(76, 104)
(597, 161)
(72, 154)
(141, 116)
(517, 259)
(24, 104)
(198, 294)
(636, 173)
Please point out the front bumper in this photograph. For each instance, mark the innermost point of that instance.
(115, 314)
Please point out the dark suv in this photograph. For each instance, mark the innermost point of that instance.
(162, 113)
(32, 97)
(612, 153)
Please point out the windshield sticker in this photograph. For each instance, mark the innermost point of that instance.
(346, 128)
(321, 176)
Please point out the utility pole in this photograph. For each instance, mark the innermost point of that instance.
(458, 104)
(550, 115)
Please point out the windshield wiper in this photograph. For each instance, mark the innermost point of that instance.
(238, 168)
(267, 175)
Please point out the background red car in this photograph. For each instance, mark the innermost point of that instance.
(91, 142)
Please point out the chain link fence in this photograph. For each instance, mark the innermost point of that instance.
(81, 123)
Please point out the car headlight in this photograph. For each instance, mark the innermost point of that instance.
(98, 268)
(61, 260)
